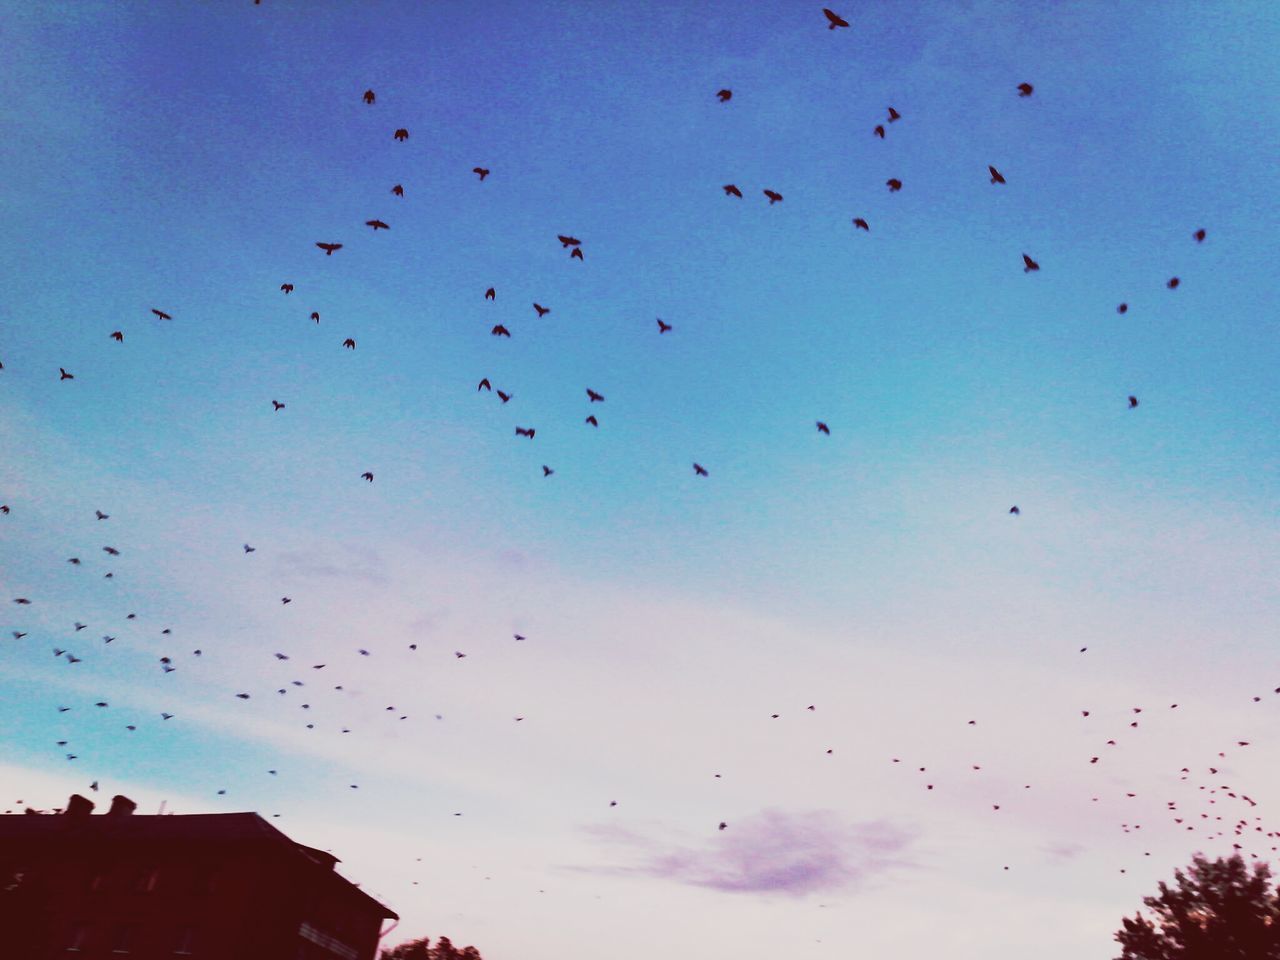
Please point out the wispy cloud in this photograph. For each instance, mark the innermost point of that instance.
(776, 851)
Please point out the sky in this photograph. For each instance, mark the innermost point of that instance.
(188, 157)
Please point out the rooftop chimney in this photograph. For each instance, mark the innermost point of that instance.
(79, 806)
(121, 806)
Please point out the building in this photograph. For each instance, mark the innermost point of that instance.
(225, 886)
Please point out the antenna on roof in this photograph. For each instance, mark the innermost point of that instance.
(160, 812)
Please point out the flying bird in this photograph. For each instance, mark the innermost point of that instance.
(249, 549)
(1123, 308)
(699, 470)
(480, 172)
(1133, 402)
(284, 600)
(592, 420)
(63, 375)
(484, 385)
(525, 432)
(242, 696)
(117, 336)
(773, 196)
(861, 224)
(504, 397)
(349, 343)
(894, 115)
(894, 185)
(834, 19)
(567, 242)
(1199, 235)
(459, 655)
(500, 331)
(288, 287)
(879, 131)
(402, 134)
(1030, 264)
(315, 316)
(398, 190)
(1015, 511)
(161, 314)
(663, 327)
(731, 191)
(367, 476)
(1173, 283)
(547, 471)
(1025, 89)
(576, 254)
(491, 294)
(542, 311)
(377, 225)
(724, 95)
(277, 405)
(722, 823)
(328, 249)
(996, 176)
(112, 551)
(370, 97)
(593, 396)
(823, 428)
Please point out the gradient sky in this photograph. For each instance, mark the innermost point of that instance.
(186, 157)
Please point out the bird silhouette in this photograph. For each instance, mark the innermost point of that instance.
(1173, 283)
(724, 95)
(525, 432)
(861, 224)
(277, 405)
(161, 314)
(879, 131)
(111, 551)
(1025, 89)
(567, 242)
(249, 549)
(773, 196)
(663, 327)
(480, 172)
(242, 696)
(328, 249)
(398, 190)
(1029, 264)
(823, 428)
(491, 294)
(894, 185)
(504, 397)
(349, 343)
(458, 654)
(576, 254)
(63, 375)
(723, 825)
(731, 191)
(699, 470)
(288, 287)
(1133, 402)
(894, 115)
(593, 396)
(996, 176)
(500, 331)
(1015, 511)
(484, 385)
(377, 225)
(284, 600)
(834, 19)
(367, 476)
(117, 336)
(1199, 235)
(401, 135)
(592, 420)
(1123, 308)
(547, 471)
(370, 97)
(542, 311)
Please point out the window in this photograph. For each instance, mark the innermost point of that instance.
(124, 938)
(184, 943)
(145, 880)
(77, 937)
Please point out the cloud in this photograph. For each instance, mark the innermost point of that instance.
(334, 560)
(792, 853)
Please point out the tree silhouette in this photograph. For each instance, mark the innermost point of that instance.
(1217, 910)
(422, 950)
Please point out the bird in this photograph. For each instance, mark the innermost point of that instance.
(894, 185)
(1173, 283)
(249, 549)
(491, 294)
(161, 314)
(328, 249)
(500, 331)
(1199, 235)
(525, 432)
(542, 311)
(277, 405)
(1015, 511)
(996, 176)
(349, 343)
(894, 115)
(504, 397)
(823, 428)
(593, 396)
(288, 287)
(879, 131)
(370, 97)
(1030, 264)
(592, 420)
(284, 600)
(98, 513)
(1123, 308)
(401, 135)
(834, 19)
(722, 826)
(398, 190)
(731, 191)
(63, 375)
(484, 385)
(458, 654)
(576, 254)
(861, 224)
(773, 196)
(480, 172)
(547, 471)
(699, 470)
(517, 636)
(111, 551)
(725, 95)
(663, 327)
(377, 225)
(4, 508)
(1133, 402)
(567, 242)
(242, 696)
(1025, 89)
(315, 316)
(367, 476)
(281, 656)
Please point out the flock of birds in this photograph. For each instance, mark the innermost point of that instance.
(1216, 810)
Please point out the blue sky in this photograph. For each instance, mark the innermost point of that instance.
(188, 157)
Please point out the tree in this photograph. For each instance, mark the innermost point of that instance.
(422, 950)
(1217, 910)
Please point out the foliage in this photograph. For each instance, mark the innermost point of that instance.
(422, 950)
(1217, 910)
